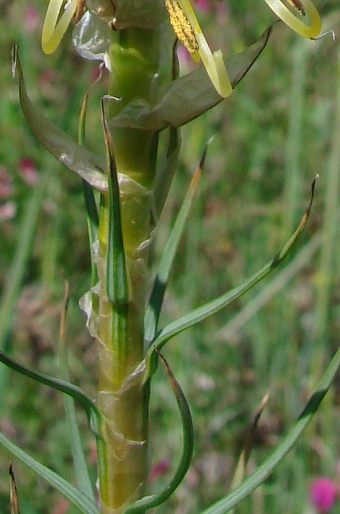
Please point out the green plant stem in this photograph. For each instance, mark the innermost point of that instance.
(118, 326)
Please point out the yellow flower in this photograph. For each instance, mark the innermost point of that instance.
(55, 26)
(310, 30)
(189, 32)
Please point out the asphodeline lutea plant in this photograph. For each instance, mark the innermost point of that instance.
(125, 191)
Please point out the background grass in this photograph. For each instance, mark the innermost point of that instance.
(279, 128)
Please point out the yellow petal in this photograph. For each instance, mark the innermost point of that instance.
(54, 29)
(310, 30)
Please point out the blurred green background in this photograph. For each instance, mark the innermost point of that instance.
(280, 127)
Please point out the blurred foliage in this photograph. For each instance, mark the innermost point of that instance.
(271, 137)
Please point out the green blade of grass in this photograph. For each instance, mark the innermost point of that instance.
(77, 498)
(156, 298)
(251, 483)
(79, 459)
(203, 312)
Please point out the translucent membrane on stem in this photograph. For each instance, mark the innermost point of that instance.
(54, 28)
(213, 62)
(306, 7)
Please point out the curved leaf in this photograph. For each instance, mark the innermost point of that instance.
(76, 158)
(79, 499)
(149, 502)
(190, 95)
(203, 312)
(91, 410)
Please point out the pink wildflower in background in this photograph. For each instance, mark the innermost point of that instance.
(7, 211)
(203, 5)
(323, 494)
(31, 19)
(160, 469)
(28, 171)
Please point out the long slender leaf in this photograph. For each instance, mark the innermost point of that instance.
(269, 291)
(79, 459)
(203, 312)
(77, 498)
(251, 483)
(91, 410)
(89, 198)
(156, 298)
(149, 502)
(76, 158)
(116, 278)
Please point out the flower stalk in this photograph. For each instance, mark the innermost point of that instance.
(130, 44)
(116, 319)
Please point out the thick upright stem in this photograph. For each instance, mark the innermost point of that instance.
(119, 329)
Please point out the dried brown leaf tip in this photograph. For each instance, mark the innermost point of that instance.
(13, 492)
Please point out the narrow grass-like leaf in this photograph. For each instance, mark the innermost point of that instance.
(13, 492)
(116, 279)
(203, 312)
(77, 498)
(149, 502)
(271, 289)
(91, 410)
(156, 299)
(251, 483)
(76, 158)
(79, 459)
(89, 198)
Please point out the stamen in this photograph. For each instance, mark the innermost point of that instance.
(181, 26)
(297, 4)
